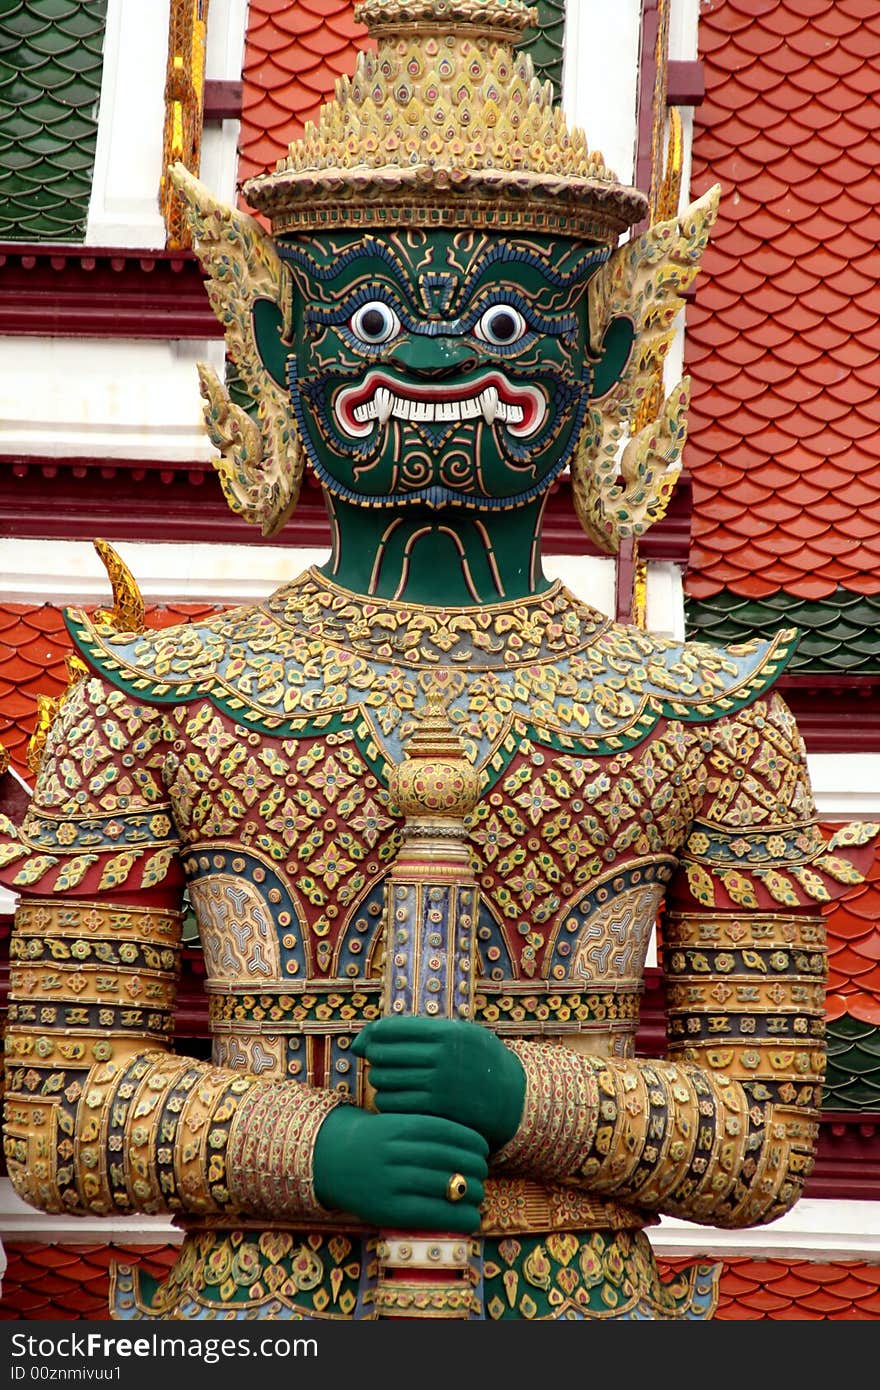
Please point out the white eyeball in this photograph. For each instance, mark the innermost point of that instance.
(374, 323)
(500, 325)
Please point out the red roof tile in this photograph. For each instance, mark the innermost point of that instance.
(34, 645)
(784, 336)
(79, 1285)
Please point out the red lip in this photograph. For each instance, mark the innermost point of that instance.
(528, 404)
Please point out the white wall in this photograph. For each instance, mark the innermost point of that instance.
(600, 77)
(100, 398)
(124, 207)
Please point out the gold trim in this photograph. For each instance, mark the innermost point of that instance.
(184, 98)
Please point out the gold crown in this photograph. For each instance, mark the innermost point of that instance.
(445, 125)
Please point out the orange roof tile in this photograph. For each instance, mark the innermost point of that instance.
(853, 926)
(293, 55)
(782, 1290)
(784, 337)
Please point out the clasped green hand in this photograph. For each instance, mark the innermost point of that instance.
(394, 1170)
(449, 1068)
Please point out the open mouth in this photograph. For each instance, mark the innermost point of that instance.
(378, 399)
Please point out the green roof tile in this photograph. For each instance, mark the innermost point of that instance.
(51, 58)
(852, 1081)
(544, 42)
(841, 634)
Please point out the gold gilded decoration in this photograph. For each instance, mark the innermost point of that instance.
(665, 197)
(665, 204)
(277, 812)
(420, 1300)
(510, 660)
(604, 1275)
(431, 909)
(42, 919)
(127, 612)
(521, 1205)
(47, 708)
(261, 462)
(460, 811)
(435, 778)
(651, 1129)
(241, 1272)
(446, 115)
(644, 280)
(270, 1149)
(184, 97)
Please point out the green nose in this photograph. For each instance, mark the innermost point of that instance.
(435, 357)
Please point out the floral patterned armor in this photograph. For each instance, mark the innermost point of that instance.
(441, 322)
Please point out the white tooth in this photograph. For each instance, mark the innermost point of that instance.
(514, 414)
(383, 402)
(360, 413)
(470, 408)
(448, 410)
(401, 409)
(421, 410)
(489, 403)
(502, 411)
(371, 410)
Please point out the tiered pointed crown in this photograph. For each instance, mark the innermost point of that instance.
(445, 124)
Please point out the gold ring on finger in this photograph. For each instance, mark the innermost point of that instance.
(456, 1188)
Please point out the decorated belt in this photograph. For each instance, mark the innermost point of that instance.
(512, 1206)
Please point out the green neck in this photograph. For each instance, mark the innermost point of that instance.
(450, 558)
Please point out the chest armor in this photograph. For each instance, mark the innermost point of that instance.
(282, 723)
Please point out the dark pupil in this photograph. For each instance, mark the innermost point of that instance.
(503, 326)
(373, 323)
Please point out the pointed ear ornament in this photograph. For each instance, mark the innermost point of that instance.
(620, 494)
(261, 458)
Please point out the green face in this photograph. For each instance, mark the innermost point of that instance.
(440, 369)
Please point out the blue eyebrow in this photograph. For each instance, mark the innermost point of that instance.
(507, 252)
(369, 246)
(441, 283)
(434, 328)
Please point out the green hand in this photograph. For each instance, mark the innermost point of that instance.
(393, 1170)
(459, 1071)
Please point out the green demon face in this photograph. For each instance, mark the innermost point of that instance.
(440, 369)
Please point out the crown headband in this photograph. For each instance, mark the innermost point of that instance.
(445, 125)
